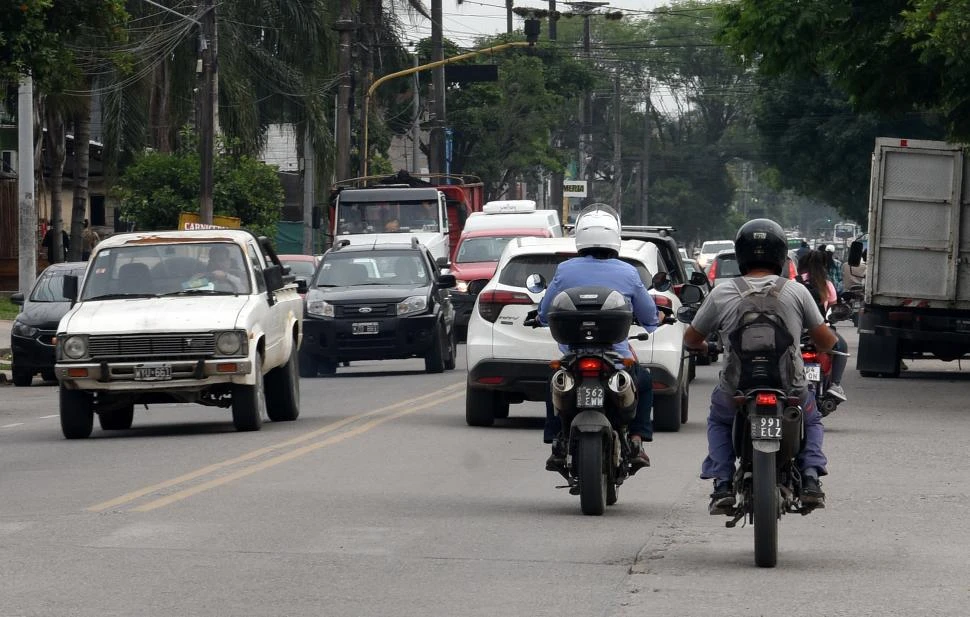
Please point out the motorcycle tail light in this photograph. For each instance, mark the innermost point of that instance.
(810, 356)
(590, 367)
(662, 301)
(766, 399)
(712, 272)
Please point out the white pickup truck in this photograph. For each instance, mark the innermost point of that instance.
(179, 317)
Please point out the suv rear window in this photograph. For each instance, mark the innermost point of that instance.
(519, 268)
(727, 265)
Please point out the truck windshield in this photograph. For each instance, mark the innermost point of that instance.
(167, 269)
(387, 217)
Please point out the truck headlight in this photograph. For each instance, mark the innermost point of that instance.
(461, 286)
(320, 307)
(21, 329)
(75, 347)
(414, 304)
(230, 343)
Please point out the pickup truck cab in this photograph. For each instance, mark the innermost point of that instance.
(179, 317)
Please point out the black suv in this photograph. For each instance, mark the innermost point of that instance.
(377, 302)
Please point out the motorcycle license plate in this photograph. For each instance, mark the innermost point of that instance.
(589, 397)
(813, 372)
(765, 427)
(153, 372)
(365, 327)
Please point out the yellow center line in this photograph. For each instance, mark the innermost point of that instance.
(192, 475)
(287, 456)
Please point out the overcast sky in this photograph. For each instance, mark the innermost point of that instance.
(472, 19)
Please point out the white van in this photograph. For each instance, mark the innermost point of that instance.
(514, 214)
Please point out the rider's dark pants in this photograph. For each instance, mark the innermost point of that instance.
(642, 424)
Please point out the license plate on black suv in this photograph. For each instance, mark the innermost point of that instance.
(365, 327)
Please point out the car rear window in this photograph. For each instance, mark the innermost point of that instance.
(519, 268)
(727, 265)
(716, 247)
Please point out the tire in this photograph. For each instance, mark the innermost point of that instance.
(765, 498)
(283, 391)
(703, 360)
(667, 411)
(592, 474)
(308, 365)
(452, 359)
(685, 404)
(500, 408)
(77, 415)
(692, 368)
(117, 419)
(434, 361)
(49, 375)
(480, 407)
(327, 368)
(22, 378)
(249, 402)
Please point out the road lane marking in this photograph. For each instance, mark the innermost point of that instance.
(12, 425)
(285, 457)
(329, 428)
(53, 415)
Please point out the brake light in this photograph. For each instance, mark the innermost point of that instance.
(663, 301)
(590, 367)
(712, 272)
(792, 274)
(766, 399)
(490, 303)
(810, 356)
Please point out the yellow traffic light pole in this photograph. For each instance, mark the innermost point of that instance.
(425, 67)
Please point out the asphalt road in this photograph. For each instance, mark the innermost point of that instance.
(380, 501)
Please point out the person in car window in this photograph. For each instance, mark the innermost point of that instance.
(392, 225)
(598, 245)
(218, 270)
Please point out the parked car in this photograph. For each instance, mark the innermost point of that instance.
(33, 330)
(509, 362)
(378, 302)
(711, 248)
(475, 260)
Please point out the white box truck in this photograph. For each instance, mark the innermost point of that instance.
(917, 289)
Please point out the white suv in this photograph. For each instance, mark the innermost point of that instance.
(509, 362)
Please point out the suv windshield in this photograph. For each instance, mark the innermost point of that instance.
(167, 269)
(375, 268)
(482, 249)
(387, 217)
(50, 286)
(519, 268)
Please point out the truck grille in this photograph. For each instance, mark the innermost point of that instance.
(188, 345)
(354, 310)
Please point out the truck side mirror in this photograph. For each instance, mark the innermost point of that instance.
(70, 288)
(855, 253)
(301, 286)
(273, 275)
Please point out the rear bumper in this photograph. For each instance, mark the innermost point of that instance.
(528, 378)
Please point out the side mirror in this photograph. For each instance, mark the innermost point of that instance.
(273, 275)
(17, 298)
(301, 286)
(855, 253)
(443, 263)
(685, 314)
(661, 282)
(691, 294)
(70, 288)
(698, 278)
(535, 283)
(447, 281)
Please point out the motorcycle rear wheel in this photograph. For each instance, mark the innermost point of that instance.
(765, 498)
(591, 470)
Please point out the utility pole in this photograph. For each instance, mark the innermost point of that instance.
(553, 18)
(208, 105)
(27, 222)
(585, 10)
(557, 178)
(309, 189)
(416, 125)
(508, 16)
(645, 158)
(436, 142)
(617, 155)
(345, 26)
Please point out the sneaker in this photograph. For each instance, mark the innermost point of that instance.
(638, 458)
(812, 494)
(557, 460)
(723, 498)
(836, 391)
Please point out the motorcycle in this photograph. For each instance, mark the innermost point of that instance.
(593, 390)
(818, 365)
(854, 296)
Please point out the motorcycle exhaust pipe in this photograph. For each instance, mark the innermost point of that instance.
(791, 431)
(563, 385)
(621, 390)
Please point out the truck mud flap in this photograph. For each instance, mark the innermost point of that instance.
(878, 354)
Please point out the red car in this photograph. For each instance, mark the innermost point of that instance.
(301, 266)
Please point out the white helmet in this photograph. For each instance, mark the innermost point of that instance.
(598, 227)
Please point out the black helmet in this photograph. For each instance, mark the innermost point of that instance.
(761, 243)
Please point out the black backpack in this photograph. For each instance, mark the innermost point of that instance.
(762, 348)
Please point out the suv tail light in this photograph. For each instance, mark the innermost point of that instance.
(712, 271)
(490, 303)
(662, 301)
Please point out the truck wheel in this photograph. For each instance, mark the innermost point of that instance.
(308, 365)
(117, 419)
(283, 391)
(22, 377)
(77, 416)
(480, 407)
(434, 362)
(452, 357)
(249, 402)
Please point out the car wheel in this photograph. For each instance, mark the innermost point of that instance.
(434, 362)
(308, 365)
(666, 412)
(684, 404)
(692, 368)
(703, 360)
(327, 368)
(283, 390)
(22, 377)
(117, 419)
(480, 407)
(77, 415)
(49, 375)
(451, 361)
(249, 402)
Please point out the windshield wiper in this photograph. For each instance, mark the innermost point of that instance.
(117, 296)
(207, 292)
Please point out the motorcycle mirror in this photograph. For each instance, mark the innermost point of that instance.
(685, 314)
(840, 312)
(691, 294)
(643, 336)
(535, 283)
(661, 282)
(698, 278)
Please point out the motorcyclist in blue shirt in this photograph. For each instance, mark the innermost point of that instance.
(598, 244)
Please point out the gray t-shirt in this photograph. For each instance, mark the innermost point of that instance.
(719, 313)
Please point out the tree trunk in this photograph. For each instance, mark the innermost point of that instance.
(56, 154)
(82, 150)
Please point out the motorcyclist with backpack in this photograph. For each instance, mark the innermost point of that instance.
(761, 248)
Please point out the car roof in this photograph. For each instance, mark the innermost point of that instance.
(67, 265)
(531, 245)
(493, 232)
(237, 236)
(370, 248)
(298, 257)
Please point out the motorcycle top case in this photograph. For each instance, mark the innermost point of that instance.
(590, 316)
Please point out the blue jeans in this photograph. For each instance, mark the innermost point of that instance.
(719, 463)
(642, 424)
(839, 362)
